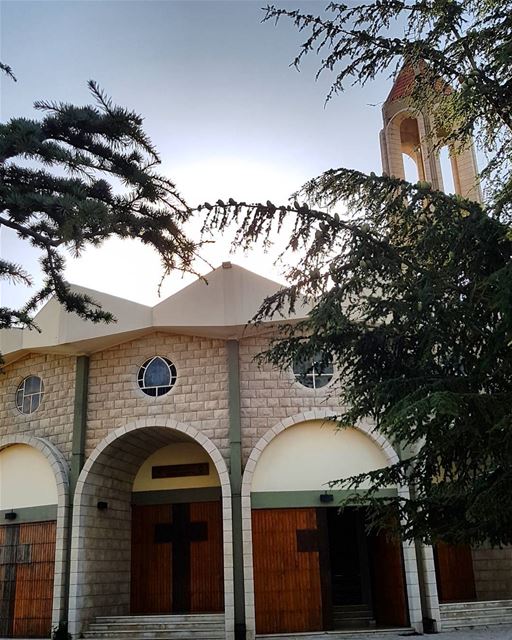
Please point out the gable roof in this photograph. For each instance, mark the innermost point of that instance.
(220, 304)
(228, 296)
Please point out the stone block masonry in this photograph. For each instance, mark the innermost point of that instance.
(53, 419)
(199, 397)
(269, 395)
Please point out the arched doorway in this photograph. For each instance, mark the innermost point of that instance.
(33, 526)
(152, 505)
(330, 573)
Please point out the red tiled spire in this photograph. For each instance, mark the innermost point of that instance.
(403, 85)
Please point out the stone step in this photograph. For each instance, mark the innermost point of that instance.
(475, 613)
(158, 627)
(149, 631)
(450, 606)
(177, 634)
(353, 625)
(483, 621)
(174, 617)
(363, 634)
(363, 620)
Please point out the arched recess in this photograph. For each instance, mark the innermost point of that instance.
(59, 467)
(101, 541)
(324, 414)
(405, 134)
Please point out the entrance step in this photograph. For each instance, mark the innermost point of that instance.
(360, 634)
(201, 626)
(352, 616)
(459, 615)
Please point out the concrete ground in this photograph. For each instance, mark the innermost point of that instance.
(495, 632)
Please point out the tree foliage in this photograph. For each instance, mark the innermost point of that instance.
(73, 179)
(411, 288)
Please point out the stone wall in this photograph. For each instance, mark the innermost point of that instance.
(269, 395)
(199, 397)
(54, 417)
(493, 573)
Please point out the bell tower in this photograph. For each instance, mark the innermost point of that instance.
(408, 132)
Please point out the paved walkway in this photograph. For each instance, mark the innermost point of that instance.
(494, 632)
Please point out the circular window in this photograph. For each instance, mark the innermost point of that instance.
(29, 394)
(313, 372)
(157, 376)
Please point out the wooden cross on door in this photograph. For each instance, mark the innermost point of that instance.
(181, 533)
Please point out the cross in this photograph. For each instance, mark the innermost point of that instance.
(12, 553)
(181, 532)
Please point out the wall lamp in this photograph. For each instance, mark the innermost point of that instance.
(326, 497)
(11, 515)
(102, 505)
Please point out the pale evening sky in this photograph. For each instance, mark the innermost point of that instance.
(226, 112)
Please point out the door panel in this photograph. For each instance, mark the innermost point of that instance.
(177, 558)
(454, 572)
(206, 561)
(287, 584)
(389, 595)
(151, 577)
(27, 565)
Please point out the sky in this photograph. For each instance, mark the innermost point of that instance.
(222, 105)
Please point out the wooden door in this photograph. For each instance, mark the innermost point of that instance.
(151, 576)
(389, 594)
(287, 582)
(177, 559)
(27, 565)
(207, 560)
(454, 572)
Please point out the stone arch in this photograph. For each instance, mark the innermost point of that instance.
(405, 133)
(366, 427)
(316, 414)
(108, 474)
(60, 469)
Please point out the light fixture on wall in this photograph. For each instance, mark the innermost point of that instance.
(326, 497)
(11, 515)
(102, 505)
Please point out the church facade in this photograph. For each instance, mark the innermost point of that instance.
(153, 468)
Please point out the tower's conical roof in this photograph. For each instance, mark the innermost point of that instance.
(403, 84)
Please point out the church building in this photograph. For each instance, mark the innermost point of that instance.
(157, 482)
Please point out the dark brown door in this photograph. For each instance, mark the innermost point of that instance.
(389, 595)
(454, 572)
(27, 565)
(177, 560)
(206, 560)
(287, 584)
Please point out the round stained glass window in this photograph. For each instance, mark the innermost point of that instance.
(313, 372)
(157, 376)
(29, 394)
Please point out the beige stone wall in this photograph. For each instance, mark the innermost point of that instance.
(54, 417)
(493, 573)
(199, 397)
(269, 395)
